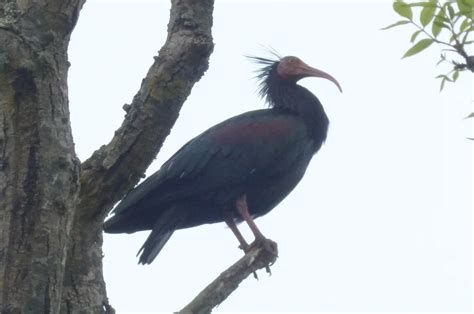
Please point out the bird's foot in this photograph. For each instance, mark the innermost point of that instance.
(247, 248)
(264, 243)
(270, 247)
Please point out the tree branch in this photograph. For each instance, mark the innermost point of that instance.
(116, 167)
(262, 254)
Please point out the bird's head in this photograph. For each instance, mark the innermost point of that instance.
(293, 69)
(285, 70)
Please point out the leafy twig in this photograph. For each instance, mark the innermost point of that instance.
(440, 16)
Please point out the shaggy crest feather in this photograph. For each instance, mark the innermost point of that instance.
(264, 73)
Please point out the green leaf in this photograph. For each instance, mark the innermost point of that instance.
(403, 9)
(450, 10)
(471, 115)
(427, 14)
(464, 6)
(455, 75)
(443, 25)
(469, 3)
(469, 14)
(414, 35)
(437, 23)
(419, 46)
(443, 17)
(465, 24)
(396, 24)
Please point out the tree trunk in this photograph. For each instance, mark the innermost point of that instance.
(51, 208)
(39, 172)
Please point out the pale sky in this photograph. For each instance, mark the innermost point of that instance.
(382, 219)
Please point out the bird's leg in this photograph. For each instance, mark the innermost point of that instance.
(229, 220)
(243, 210)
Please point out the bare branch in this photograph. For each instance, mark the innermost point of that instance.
(262, 254)
(116, 167)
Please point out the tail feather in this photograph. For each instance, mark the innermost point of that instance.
(152, 246)
(161, 233)
(128, 223)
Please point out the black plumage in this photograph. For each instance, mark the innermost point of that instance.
(239, 169)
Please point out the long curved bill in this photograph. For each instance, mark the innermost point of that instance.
(310, 71)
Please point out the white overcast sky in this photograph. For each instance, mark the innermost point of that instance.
(381, 221)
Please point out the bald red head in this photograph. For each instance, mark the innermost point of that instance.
(292, 68)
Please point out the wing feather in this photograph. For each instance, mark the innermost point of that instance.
(228, 154)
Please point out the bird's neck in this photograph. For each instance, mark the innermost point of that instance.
(295, 99)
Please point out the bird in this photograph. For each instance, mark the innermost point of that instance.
(235, 171)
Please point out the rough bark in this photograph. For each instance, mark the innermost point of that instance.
(51, 207)
(42, 188)
(116, 167)
(39, 172)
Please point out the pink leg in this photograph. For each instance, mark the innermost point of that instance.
(230, 222)
(243, 210)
